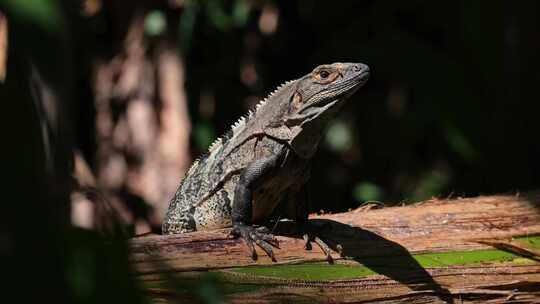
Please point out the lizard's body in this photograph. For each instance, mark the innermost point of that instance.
(263, 161)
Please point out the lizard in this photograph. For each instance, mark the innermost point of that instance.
(258, 170)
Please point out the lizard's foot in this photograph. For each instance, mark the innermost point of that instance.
(310, 233)
(260, 236)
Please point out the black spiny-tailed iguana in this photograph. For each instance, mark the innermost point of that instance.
(260, 167)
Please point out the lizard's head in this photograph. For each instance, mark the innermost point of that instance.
(327, 86)
(313, 100)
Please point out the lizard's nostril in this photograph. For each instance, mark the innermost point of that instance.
(359, 67)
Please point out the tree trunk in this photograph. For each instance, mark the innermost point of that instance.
(142, 122)
(483, 249)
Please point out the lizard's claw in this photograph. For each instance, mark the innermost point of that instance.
(259, 236)
(310, 235)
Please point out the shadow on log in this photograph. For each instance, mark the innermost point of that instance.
(387, 258)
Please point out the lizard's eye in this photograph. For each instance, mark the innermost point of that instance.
(324, 74)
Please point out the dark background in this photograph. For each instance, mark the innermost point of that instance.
(450, 106)
(450, 110)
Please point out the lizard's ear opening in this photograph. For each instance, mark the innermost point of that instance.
(296, 102)
(297, 98)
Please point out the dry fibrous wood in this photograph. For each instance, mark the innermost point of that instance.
(373, 238)
(431, 226)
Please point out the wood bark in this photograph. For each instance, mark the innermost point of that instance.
(388, 241)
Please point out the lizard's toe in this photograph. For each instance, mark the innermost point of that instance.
(307, 241)
(310, 234)
(251, 235)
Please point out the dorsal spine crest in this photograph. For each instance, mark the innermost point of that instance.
(251, 113)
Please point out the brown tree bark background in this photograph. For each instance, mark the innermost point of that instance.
(142, 125)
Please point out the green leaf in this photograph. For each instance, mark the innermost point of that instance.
(323, 271)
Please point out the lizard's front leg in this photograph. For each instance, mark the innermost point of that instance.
(242, 210)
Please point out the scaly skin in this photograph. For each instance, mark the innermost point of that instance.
(263, 161)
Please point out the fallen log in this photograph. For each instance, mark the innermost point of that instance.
(475, 249)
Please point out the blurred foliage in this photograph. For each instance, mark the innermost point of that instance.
(97, 270)
(431, 184)
(46, 14)
(203, 135)
(451, 108)
(155, 23)
(338, 136)
(217, 15)
(366, 192)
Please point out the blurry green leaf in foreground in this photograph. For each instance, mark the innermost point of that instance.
(204, 135)
(98, 270)
(155, 23)
(81, 273)
(338, 137)
(44, 13)
(367, 192)
(208, 290)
